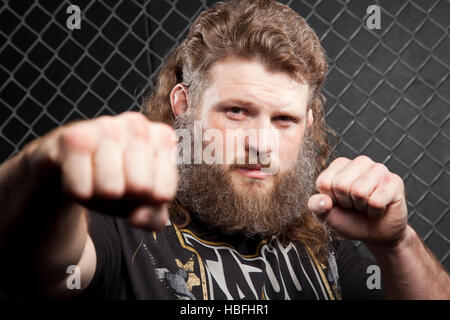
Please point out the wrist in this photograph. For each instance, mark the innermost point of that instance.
(404, 243)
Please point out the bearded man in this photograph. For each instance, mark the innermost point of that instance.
(106, 199)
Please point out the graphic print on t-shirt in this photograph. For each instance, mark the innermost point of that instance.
(216, 270)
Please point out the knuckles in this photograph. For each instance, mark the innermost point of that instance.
(363, 159)
(109, 127)
(129, 125)
(339, 161)
(76, 138)
(322, 183)
(340, 186)
(141, 127)
(393, 178)
(113, 181)
(137, 124)
(358, 193)
(166, 131)
(379, 168)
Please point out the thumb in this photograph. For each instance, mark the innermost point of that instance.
(320, 204)
(149, 217)
(347, 222)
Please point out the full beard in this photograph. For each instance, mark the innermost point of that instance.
(259, 207)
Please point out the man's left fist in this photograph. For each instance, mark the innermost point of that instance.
(361, 200)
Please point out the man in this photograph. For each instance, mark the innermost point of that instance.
(105, 200)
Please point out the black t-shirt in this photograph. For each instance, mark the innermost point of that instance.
(192, 263)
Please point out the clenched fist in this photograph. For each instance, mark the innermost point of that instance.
(361, 200)
(117, 165)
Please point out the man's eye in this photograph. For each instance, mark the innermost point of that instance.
(235, 110)
(285, 119)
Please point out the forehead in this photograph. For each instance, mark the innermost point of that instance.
(250, 80)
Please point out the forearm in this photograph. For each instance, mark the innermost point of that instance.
(410, 270)
(61, 247)
(15, 187)
(41, 233)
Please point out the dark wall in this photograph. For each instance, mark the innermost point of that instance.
(388, 90)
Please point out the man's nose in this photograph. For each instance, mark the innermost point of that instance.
(261, 145)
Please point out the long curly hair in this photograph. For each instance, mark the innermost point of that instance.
(262, 30)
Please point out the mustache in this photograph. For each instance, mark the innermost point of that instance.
(252, 162)
(249, 166)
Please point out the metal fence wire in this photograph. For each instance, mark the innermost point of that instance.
(388, 90)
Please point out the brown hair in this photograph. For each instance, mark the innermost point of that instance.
(274, 35)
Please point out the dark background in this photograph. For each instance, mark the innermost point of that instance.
(388, 90)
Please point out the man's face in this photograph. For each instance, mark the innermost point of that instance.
(244, 95)
(243, 197)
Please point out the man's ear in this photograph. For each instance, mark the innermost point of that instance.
(179, 99)
(310, 118)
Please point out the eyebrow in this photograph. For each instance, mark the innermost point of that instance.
(249, 104)
(245, 103)
(234, 101)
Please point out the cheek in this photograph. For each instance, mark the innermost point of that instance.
(289, 149)
(214, 121)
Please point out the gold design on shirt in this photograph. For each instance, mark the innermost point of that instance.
(192, 280)
(318, 266)
(136, 251)
(214, 243)
(320, 269)
(200, 262)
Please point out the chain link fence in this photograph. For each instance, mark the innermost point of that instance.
(388, 90)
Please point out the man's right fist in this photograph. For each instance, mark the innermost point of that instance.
(119, 165)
